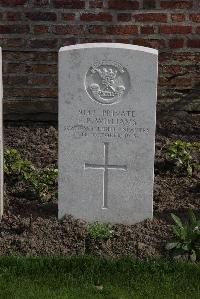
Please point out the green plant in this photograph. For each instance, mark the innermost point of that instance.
(182, 153)
(187, 236)
(15, 168)
(39, 183)
(42, 183)
(100, 231)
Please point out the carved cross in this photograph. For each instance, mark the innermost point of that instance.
(105, 167)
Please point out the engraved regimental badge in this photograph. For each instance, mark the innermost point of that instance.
(107, 82)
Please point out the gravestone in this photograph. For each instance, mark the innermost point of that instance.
(107, 107)
(1, 139)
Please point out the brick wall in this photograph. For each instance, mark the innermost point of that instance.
(32, 31)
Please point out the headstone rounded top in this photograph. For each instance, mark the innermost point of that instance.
(109, 45)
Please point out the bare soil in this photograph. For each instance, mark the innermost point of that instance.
(31, 227)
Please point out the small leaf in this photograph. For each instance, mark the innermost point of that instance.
(193, 256)
(192, 217)
(176, 231)
(171, 245)
(189, 170)
(177, 220)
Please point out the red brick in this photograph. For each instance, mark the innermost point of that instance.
(195, 17)
(40, 29)
(96, 4)
(42, 43)
(176, 4)
(181, 81)
(176, 43)
(15, 67)
(193, 43)
(151, 17)
(152, 43)
(147, 30)
(12, 29)
(100, 17)
(124, 17)
(69, 4)
(13, 2)
(171, 69)
(41, 16)
(13, 16)
(123, 29)
(39, 81)
(68, 16)
(95, 29)
(41, 69)
(178, 17)
(67, 29)
(123, 4)
(175, 29)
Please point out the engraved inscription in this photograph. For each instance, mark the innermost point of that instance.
(105, 167)
(107, 82)
(107, 124)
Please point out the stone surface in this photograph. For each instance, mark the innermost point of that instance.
(1, 139)
(107, 105)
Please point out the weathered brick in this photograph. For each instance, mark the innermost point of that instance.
(123, 4)
(42, 81)
(69, 4)
(41, 16)
(195, 17)
(152, 43)
(67, 29)
(40, 29)
(16, 80)
(31, 57)
(99, 17)
(13, 16)
(173, 4)
(124, 17)
(151, 17)
(68, 16)
(149, 4)
(68, 42)
(175, 29)
(147, 30)
(178, 17)
(11, 42)
(31, 92)
(122, 29)
(96, 4)
(95, 29)
(13, 2)
(42, 43)
(171, 69)
(198, 30)
(193, 43)
(176, 43)
(12, 29)
(41, 3)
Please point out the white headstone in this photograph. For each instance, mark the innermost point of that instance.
(1, 138)
(107, 110)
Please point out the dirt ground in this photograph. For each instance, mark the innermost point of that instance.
(31, 227)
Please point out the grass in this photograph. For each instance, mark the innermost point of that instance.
(94, 278)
